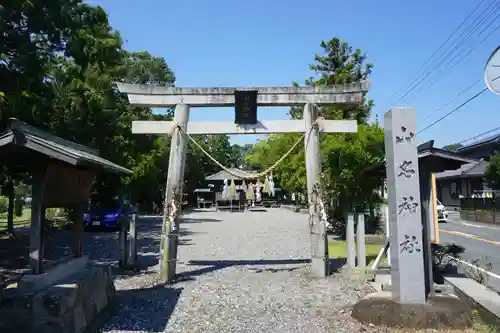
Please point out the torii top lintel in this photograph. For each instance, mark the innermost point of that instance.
(151, 96)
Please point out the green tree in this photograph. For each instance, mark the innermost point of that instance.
(344, 156)
(143, 68)
(338, 64)
(291, 173)
(33, 36)
(91, 111)
(58, 62)
(453, 147)
(492, 173)
(237, 155)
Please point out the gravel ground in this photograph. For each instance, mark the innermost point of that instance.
(239, 272)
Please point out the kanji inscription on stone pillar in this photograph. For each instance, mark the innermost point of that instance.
(407, 269)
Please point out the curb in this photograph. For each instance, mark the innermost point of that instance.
(477, 296)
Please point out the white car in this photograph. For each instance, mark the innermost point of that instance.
(442, 213)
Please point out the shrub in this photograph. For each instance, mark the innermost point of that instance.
(479, 270)
(442, 259)
(51, 212)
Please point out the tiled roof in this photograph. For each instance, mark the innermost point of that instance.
(226, 175)
(474, 169)
(486, 140)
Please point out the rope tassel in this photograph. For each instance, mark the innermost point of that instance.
(250, 195)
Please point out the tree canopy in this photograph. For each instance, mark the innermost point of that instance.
(492, 173)
(453, 147)
(58, 62)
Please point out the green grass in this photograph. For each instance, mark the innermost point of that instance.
(337, 250)
(19, 221)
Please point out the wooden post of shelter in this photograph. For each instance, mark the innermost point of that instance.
(37, 220)
(78, 230)
(183, 98)
(10, 209)
(434, 215)
(426, 212)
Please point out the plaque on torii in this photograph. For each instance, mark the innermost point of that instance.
(245, 102)
(245, 107)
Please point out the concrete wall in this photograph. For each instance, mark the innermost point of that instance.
(480, 216)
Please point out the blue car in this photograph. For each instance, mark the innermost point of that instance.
(107, 214)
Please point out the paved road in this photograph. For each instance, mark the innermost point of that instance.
(481, 241)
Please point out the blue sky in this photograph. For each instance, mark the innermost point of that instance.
(271, 43)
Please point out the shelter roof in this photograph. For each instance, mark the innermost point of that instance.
(491, 139)
(221, 175)
(24, 145)
(474, 169)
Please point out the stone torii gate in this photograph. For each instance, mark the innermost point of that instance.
(184, 98)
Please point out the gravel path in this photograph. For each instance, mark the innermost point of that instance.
(240, 272)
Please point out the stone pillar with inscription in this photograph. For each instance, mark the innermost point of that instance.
(405, 220)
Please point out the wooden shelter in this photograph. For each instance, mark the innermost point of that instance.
(62, 174)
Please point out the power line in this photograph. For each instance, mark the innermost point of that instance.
(454, 110)
(442, 58)
(451, 100)
(491, 22)
(403, 87)
(454, 47)
(464, 56)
